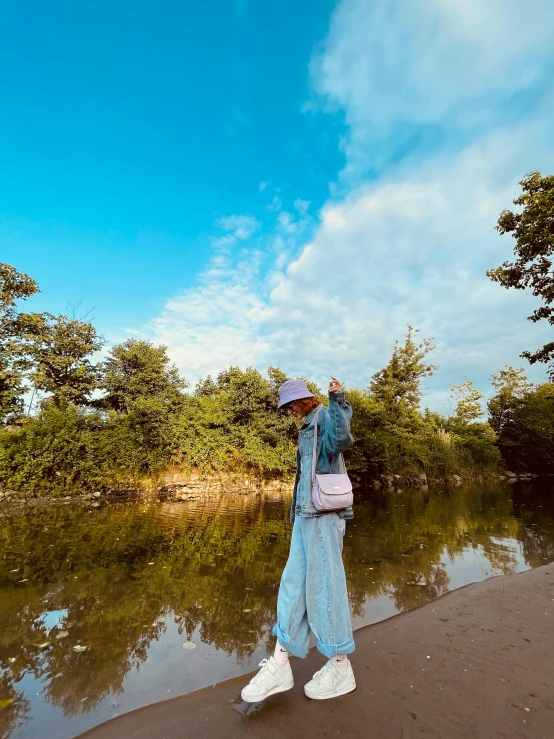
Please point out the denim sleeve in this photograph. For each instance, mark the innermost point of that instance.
(336, 436)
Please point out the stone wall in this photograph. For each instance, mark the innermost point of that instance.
(176, 485)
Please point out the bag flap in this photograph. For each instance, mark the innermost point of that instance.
(334, 484)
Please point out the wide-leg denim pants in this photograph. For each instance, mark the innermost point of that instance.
(312, 595)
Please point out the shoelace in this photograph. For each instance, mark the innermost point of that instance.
(326, 677)
(257, 679)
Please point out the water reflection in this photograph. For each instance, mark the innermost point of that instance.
(96, 604)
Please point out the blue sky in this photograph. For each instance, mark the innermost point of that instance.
(131, 127)
(277, 183)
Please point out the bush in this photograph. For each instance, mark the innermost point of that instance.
(525, 425)
(68, 449)
(431, 444)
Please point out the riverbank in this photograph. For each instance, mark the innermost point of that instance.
(176, 486)
(475, 663)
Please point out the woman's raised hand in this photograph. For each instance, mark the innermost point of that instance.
(334, 385)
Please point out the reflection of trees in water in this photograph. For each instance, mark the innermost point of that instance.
(13, 707)
(218, 570)
(113, 620)
(117, 626)
(536, 521)
(116, 606)
(537, 545)
(406, 537)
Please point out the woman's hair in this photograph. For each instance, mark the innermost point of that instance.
(307, 404)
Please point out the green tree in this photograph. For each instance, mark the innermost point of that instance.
(512, 381)
(468, 401)
(248, 394)
(231, 424)
(390, 431)
(141, 385)
(511, 386)
(370, 454)
(522, 415)
(397, 387)
(262, 437)
(11, 391)
(136, 371)
(534, 421)
(208, 386)
(472, 437)
(533, 230)
(60, 352)
(14, 286)
(276, 378)
(51, 351)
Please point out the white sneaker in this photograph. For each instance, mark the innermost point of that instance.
(330, 682)
(272, 678)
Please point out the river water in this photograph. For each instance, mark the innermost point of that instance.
(106, 609)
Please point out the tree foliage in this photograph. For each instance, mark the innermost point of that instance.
(397, 387)
(511, 386)
(51, 353)
(60, 353)
(231, 423)
(468, 402)
(533, 231)
(124, 421)
(474, 437)
(136, 370)
(522, 415)
(14, 286)
(393, 435)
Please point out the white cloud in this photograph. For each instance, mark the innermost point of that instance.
(216, 324)
(405, 70)
(302, 206)
(410, 250)
(275, 205)
(224, 242)
(411, 247)
(240, 226)
(262, 186)
(287, 222)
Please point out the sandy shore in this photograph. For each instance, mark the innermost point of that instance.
(477, 663)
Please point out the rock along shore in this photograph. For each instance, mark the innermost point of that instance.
(180, 487)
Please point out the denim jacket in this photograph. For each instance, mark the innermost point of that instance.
(333, 437)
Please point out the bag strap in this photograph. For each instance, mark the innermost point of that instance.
(314, 451)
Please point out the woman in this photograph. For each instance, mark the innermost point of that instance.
(312, 595)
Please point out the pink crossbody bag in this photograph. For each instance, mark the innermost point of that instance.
(329, 492)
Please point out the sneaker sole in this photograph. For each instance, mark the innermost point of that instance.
(260, 697)
(342, 691)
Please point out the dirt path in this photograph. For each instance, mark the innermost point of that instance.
(477, 663)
